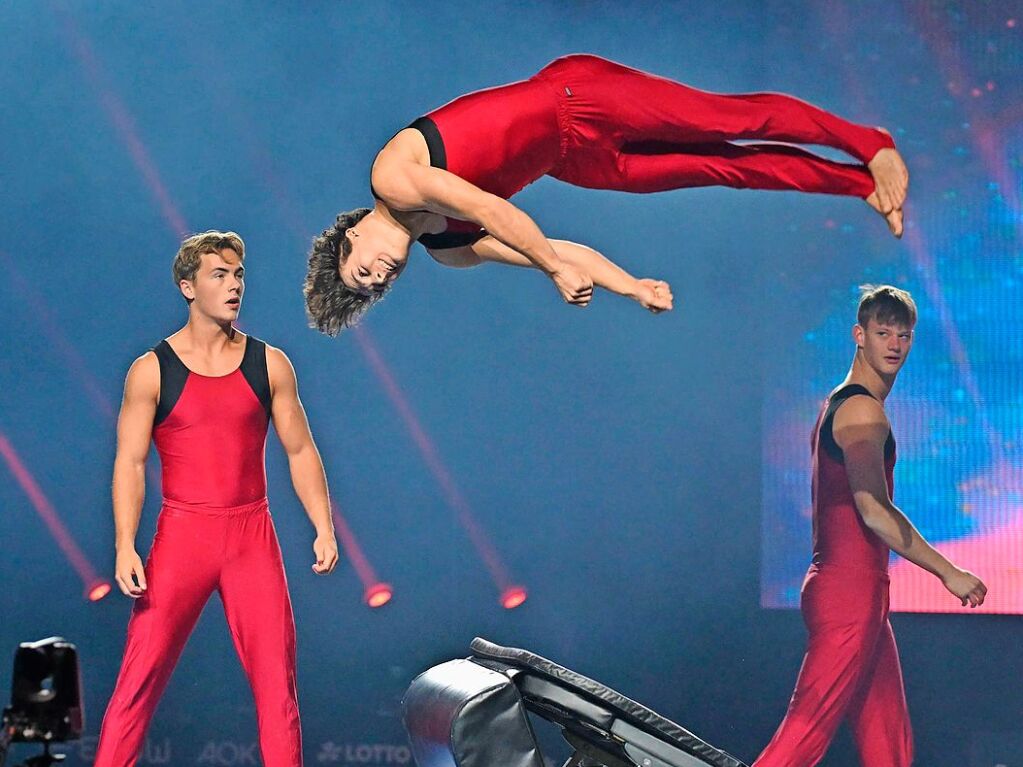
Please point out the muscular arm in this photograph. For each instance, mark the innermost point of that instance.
(651, 294)
(405, 185)
(134, 433)
(860, 430)
(307, 475)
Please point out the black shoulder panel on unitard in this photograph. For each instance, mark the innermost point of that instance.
(434, 141)
(439, 159)
(827, 437)
(451, 239)
(173, 375)
(254, 370)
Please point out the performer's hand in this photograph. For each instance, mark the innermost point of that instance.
(966, 586)
(325, 549)
(129, 564)
(654, 295)
(575, 286)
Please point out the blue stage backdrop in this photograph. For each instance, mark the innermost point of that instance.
(479, 435)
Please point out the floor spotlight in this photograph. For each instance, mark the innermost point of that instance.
(378, 595)
(513, 596)
(98, 590)
(46, 699)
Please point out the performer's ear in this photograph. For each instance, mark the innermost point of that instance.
(350, 232)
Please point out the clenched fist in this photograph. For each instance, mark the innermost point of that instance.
(966, 586)
(654, 295)
(575, 286)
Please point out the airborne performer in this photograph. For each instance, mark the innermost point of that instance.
(445, 180)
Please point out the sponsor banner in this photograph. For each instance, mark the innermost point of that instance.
(235, 753)
(997, 749)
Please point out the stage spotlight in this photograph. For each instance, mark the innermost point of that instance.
(513, 596)
(98, 590)
(46, 700)
(378, 595)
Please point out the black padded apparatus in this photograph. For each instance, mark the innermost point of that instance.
(605, 728)
(461, 714)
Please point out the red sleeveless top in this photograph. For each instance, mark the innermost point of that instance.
(840, 536)
(499, 139)
(210, 431)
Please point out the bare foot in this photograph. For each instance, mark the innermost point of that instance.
(893, 217)
(891, 179)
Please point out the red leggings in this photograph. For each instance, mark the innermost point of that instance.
(635, 132)
(196, 552)
(851, 672)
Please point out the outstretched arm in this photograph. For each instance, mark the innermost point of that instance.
(654, 295)
(134, 433)
(307, 473)
(861, 429)
(404, 185)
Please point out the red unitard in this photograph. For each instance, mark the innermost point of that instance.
(851, 669)
(597, 124)
(214, 533)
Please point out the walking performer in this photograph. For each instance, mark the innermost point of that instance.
(851, 669)
(205, 396)
(446, 179)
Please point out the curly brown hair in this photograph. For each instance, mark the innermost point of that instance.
(331, 305)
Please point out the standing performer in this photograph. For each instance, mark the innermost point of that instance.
(851, 669)
(206, 396)
(445, 180)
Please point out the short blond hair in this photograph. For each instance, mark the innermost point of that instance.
(189, 257)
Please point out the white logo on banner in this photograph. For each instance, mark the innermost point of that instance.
(227, 753)
(154, 752)
(364, 753)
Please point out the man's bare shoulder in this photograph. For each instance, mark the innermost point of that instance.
(860, 418)
(407, 145)
(399, 186)
(278, 367)
(144, 375)
(393, 173)
(275, 355)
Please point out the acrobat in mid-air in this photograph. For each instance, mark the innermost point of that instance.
(446, 179)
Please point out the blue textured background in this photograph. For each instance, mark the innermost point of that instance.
(613, 457)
